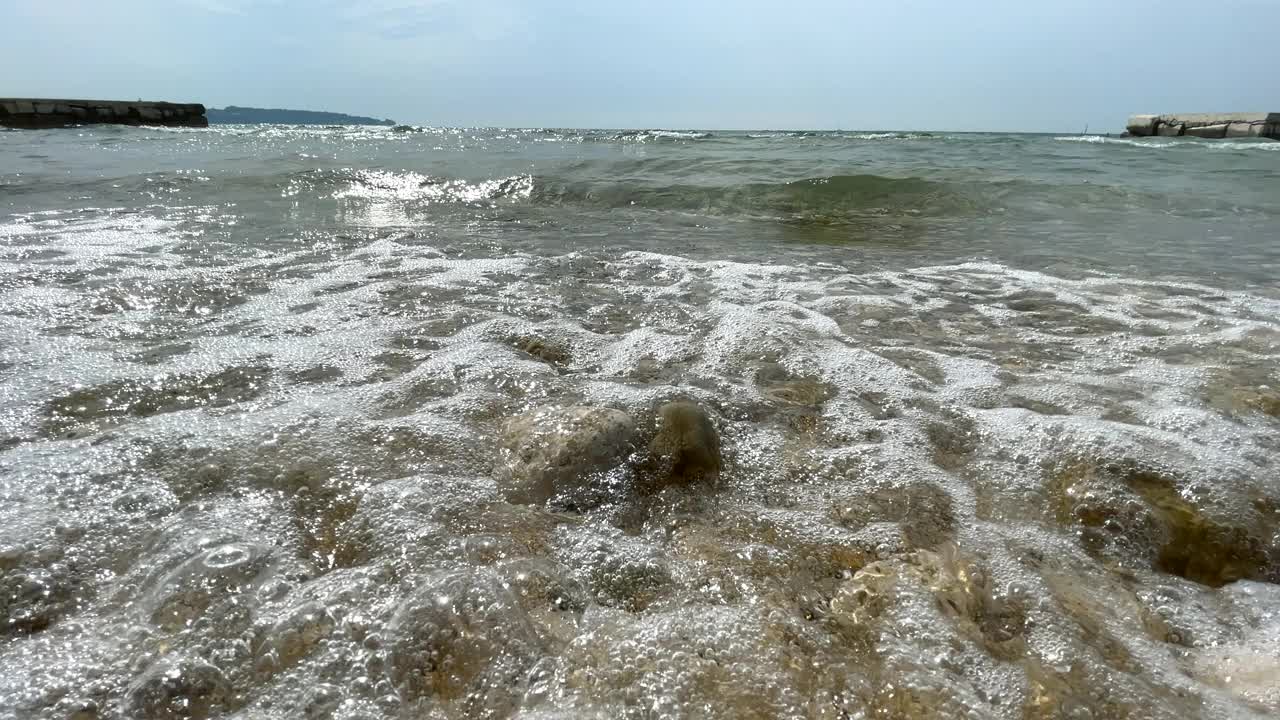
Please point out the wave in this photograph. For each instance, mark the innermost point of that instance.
(889, 136)
(853, 199)
(828, 199)
(841, 135)
(651, 135)
(680, 135)
(1157, 143)
(833, 199)
(739, 187)
(387, 185)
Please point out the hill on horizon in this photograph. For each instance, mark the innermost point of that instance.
(234, 115)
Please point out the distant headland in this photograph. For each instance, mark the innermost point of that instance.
(234, 115)
(37, 113)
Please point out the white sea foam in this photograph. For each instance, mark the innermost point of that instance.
(293, 483)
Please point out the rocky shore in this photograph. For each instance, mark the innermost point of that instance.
(1206, 125)
(27, 113)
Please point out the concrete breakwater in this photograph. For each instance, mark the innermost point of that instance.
(31, 113)
(1207, 125)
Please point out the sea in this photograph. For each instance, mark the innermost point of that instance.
(998, 421)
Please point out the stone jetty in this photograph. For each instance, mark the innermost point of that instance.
(1207, 125)
(30, 113)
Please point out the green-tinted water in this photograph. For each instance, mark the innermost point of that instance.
(997, 414)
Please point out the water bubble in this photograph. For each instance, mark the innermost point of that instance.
(228, 556)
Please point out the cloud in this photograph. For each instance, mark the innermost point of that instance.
(220, 7)
(408, 19)
(397, 20)
(388, 20)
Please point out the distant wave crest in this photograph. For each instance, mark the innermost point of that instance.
(1157, 143)
(651, 135)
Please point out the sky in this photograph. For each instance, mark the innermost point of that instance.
(999, 65)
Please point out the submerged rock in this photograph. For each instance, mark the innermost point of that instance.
(923, 510)
(628, 581)
(687, 447)
(542, 585)
(547, 591)
(297, 634)
(37, 587)
(713, 662)
(462, 637)
(569, 453)
(1127, 510)
(184, 688)
(213, 589)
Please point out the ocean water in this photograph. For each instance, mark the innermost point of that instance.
(998, 417)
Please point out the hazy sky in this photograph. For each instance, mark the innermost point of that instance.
(886, 64)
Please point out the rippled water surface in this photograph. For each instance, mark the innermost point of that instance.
(997, 423)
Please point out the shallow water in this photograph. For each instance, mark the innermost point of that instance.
(998, 417)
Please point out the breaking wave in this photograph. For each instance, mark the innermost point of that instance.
(1260, 145)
